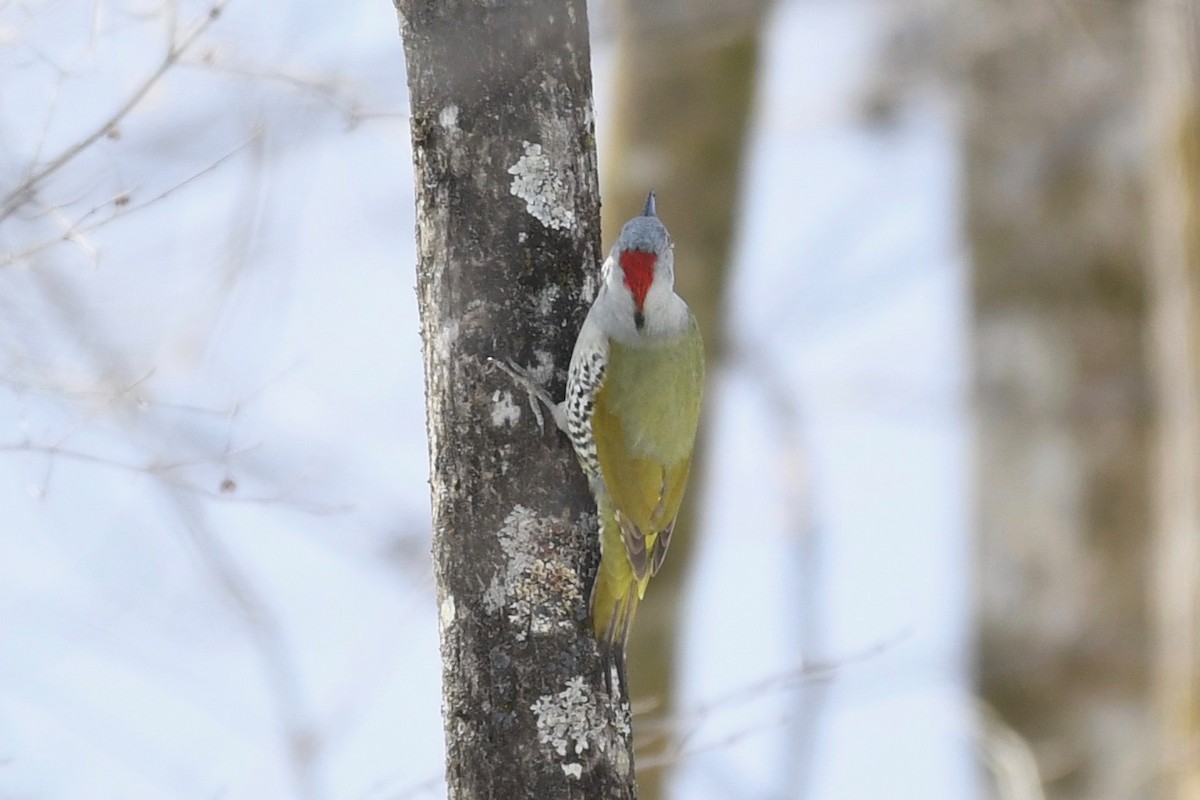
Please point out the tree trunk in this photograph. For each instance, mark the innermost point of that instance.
(508, 245)
(1174, 89)
(685, 88)
(1054, 181)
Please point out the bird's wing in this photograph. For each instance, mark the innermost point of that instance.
(645, 493)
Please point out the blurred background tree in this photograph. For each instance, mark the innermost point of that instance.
(1055, 184)
(1173, 89)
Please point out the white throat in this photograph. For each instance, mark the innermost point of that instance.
(664, 313)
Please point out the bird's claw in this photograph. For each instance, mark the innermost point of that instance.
(533, 391)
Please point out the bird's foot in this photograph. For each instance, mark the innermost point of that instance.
(533, 390)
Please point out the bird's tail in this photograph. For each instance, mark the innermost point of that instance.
(615, 593)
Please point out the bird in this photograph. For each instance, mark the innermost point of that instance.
(631, 412)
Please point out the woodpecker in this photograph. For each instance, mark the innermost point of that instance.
(631, 411)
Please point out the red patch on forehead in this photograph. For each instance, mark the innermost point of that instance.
(638, 268)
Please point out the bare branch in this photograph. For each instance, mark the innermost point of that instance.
(226, 490)
(804, 674)
(303, 743)
(328, 91)
(21, 194)
(120, 206)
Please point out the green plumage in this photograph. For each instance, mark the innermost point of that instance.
(644, 423)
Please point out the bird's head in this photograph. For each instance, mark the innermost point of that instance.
(641, 266)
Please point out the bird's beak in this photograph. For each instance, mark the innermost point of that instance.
(649, 210)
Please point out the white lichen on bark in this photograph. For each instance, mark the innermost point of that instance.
(504, 410)
(546, 299)
(573, 722)
(538, 183)
(443, 338)
(589, 287)
(542, 369)
(538, 590)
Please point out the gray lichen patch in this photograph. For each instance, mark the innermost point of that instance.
(537, 589)
(542, 369)
(543, 597)
(588, 292)
(546, 299)
(504, 410)
(546, 195)
(572, 722)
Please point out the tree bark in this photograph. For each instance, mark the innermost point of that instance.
(508, 247)
(1054, 186)
(1174, 89)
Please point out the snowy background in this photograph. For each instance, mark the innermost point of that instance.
(214, 576)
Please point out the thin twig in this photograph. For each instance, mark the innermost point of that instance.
(18, 196)
(671, 735)
(678, 754)
(122, 208)
(163, 471)
(266, 633)
(805, 673)
(332, 93)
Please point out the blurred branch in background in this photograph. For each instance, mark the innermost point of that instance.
(154, 355)
(328, 90)
(78, 230)
(1173, 88)
(805, 623)
(184, 499)
(36, 175)
(108, 359)
(684, 89)
(1007, 756)
(302, 741)
(679, 731)
(1055, 178)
